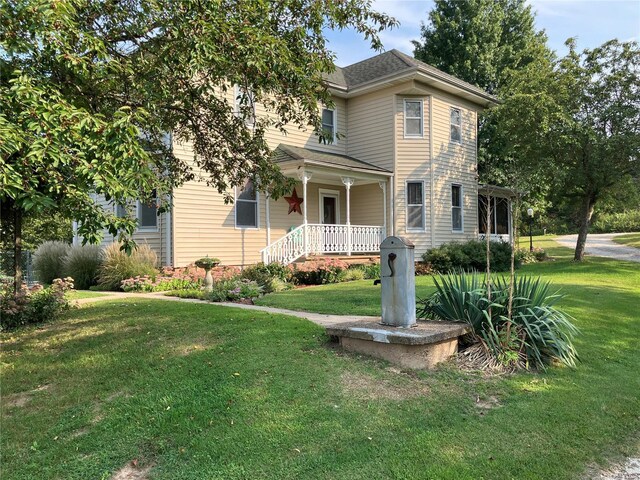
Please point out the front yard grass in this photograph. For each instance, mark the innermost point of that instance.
(204, 391)
(628, 239)
(80, 294)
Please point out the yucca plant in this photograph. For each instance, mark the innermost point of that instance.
(537, 333)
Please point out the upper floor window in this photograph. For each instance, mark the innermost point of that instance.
(244, 105)
(456, 125)
(246, 206)
(329, 124)
(415, 205)
(413, 118)
(456, 208)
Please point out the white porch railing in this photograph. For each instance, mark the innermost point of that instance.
(506, 238)
(319, 239)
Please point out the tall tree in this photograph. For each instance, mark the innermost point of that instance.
(89, 88)
(577, 122)
(481, 42)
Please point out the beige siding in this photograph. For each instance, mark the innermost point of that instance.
(454, 164)
(370, 135)
(367, 205)
(412, 164)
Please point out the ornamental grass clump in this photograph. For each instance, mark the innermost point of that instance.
(48, 261)
(117, 265)
(82, 264)
(535, 335)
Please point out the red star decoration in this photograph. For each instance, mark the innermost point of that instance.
(294, 202)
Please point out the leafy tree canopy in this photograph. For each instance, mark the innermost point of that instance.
(88, 90)
(576, 121)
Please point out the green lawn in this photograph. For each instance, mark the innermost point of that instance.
(629, 239)
(79, 294)
(203, 391)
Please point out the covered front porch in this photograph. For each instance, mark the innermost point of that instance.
(340, 205)
(498, 202)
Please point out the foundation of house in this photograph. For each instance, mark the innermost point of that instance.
(419, 347)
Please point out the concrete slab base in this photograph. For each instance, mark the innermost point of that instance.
(420, 347)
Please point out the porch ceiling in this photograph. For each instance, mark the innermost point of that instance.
(327, 165)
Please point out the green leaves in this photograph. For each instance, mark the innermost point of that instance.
(538, 329)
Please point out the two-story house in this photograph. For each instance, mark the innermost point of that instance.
(404, 163)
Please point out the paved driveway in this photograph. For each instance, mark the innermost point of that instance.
(601, 245)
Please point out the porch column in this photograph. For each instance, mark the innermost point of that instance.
(348, 181)
(383, 186)
(305, 176)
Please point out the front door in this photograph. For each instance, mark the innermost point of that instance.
(329, 208)
(331, 236)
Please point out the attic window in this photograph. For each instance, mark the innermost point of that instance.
(413, 118)
(244, 105)
(456, 125)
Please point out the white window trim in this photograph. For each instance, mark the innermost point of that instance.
(413, 135)
(451, 140)
(325, 192)
(236, 105)
(235, 211)
(461, 207)
(334, 111)
(424, 207)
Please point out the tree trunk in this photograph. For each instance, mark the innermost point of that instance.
(586, 211)
(17, 249)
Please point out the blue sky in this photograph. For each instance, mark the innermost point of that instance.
(592, 21)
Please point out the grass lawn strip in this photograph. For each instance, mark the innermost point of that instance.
(628, 239)
(202, 391)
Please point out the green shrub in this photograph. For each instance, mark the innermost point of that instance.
(277, 285)
(319, 271)
(471, 255)
(617, 222)
(118, 266)
(81, 264)
(268, 276)
(353, 274)
(538, 333)
(235, 289)
(48, 261)
(524, 256)
(370, 270)
(32, 306)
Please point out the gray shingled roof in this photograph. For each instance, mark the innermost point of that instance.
(288, 153)
(393, 62)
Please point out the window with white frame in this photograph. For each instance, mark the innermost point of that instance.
(456, 208)
(246, 206)
(415, 205)
(413, 118)
(244, 105)
(329, 124)
(456, 125)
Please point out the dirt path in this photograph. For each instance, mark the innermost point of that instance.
(602, 245)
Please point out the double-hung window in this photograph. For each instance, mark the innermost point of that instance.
(329, 124)
(244, 105)
(413, 118)
(415, 206)
(148, 214)
(456, 208)
(246, 206)
(456, 125)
